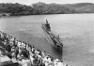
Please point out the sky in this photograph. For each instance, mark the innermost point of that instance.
(29, 2)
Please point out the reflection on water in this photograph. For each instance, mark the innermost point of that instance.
(76, 32)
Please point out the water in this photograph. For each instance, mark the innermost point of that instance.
(76, 32)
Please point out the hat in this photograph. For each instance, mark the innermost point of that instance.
(57, 60)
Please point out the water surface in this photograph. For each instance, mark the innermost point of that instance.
(76, 32)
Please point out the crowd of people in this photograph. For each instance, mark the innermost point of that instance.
(24, 53)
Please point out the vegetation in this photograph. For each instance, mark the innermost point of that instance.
(38, 8)
(52, 8)
(42, 8)
(82, 7)
(16, 9)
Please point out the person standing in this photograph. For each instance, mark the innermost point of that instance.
(48, 26)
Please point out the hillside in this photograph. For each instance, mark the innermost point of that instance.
(52, 8)
(64, 8)
(36, 9)
(82, 7)
(15, 9)
(43, 8)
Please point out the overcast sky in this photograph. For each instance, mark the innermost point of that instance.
(28, 2)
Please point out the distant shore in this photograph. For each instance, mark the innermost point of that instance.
(10, 9)
(39, 14)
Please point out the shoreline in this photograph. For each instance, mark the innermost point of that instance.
(43, 14)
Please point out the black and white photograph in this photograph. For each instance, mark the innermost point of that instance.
(46, 32)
